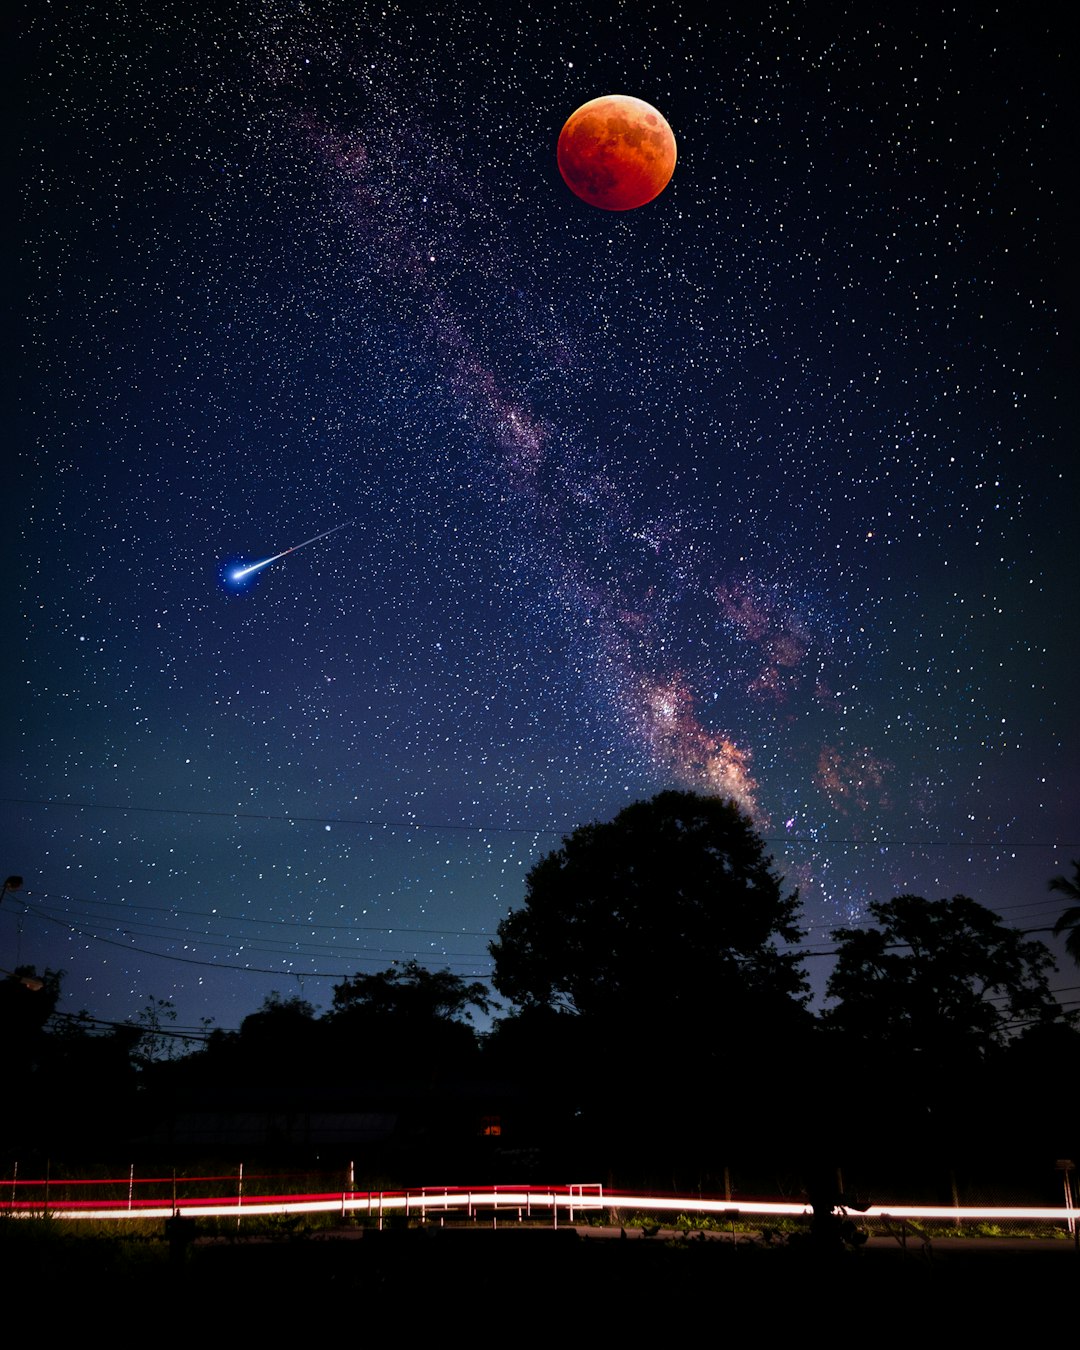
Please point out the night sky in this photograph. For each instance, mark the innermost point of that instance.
(766, 488)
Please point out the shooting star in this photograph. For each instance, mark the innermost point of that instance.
(237, 574)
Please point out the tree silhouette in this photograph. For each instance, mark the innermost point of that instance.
(648, 978)
(1069, 922)
(280, 1015)
(154, 1041)
(411, 993)
(942, 979)
(27, 1001)
(671, 909)
(407, 1020)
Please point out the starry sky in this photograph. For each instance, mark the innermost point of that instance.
(766, 488)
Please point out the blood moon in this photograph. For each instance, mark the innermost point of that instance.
(616, 152)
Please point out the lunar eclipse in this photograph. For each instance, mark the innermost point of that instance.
(766, 489)
(616, 152)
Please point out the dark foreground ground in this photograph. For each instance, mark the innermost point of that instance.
(527, 1281)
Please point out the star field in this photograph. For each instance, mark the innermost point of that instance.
(761, 489)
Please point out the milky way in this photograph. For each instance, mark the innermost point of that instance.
(761, 489)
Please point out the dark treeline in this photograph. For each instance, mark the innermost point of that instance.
(651, 1028)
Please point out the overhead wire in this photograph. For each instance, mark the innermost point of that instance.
(492, 828)
(216, 965)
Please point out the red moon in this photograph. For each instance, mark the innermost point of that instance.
(616, 152)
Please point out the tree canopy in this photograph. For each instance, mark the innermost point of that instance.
(944, 978)
(672, 906)
(412, 993)
(408, 1019)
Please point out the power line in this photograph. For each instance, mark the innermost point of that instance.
(178, 1033)
(300, 949)
(489, 828)
(288, 819)
(312, 950)
(257, 942)
(210, 965)
(307, 948)
(246, 918)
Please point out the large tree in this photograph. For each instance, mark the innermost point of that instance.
(943, 979)
(672, 908)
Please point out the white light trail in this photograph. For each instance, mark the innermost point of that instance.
(571, 1200)
(239, 573)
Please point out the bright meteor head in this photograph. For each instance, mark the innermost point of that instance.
(240, 573)
(236, 573)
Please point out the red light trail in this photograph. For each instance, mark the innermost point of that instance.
(567, 1200)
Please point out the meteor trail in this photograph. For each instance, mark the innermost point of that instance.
(239, 573)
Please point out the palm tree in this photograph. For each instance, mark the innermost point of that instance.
(1070, 921)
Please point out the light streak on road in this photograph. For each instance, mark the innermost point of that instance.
(568, 1200)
